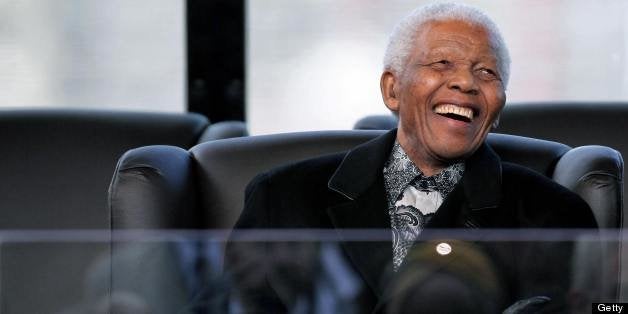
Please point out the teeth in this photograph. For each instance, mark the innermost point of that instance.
(453, 109)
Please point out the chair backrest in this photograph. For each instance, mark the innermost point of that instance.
(219, 170)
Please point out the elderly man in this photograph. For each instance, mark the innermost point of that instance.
(445, 73)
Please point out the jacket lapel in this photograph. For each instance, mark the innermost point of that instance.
(360, 206)
(482, 179)
(481, 191)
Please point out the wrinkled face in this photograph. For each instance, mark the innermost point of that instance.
(448, 95)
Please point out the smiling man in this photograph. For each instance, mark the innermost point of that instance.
(445, 74)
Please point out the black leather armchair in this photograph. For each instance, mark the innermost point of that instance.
(164, 187)
(157, 187)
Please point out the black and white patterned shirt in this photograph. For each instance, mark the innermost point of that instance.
(413, 198)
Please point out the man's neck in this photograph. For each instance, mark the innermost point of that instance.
(428, 165)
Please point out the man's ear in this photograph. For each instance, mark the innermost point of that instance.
(387, 84)
(496, 122)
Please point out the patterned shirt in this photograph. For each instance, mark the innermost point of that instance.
(413, 198)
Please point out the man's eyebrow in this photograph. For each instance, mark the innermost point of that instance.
(453, 52)
(489, 59)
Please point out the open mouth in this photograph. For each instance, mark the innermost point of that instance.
(455, 112)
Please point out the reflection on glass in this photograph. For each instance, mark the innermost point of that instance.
(316, 271)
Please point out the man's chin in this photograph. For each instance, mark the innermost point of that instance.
(449, 155)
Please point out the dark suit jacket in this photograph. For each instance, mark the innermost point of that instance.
(346, 191)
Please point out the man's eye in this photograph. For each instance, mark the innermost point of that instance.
(487, 74)
(441, 64)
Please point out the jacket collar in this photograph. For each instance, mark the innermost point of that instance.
(362, 166)
(482, 179)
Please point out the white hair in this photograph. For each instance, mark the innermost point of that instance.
(403, 37)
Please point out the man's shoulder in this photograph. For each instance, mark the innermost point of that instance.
(540, 194)
(299, 175)
(308, 168)
(292, 195)
(519, 173)
(525, 179)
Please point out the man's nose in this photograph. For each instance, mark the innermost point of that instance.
(463, 80)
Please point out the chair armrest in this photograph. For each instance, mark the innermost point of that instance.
(152, 188)
(596, 174)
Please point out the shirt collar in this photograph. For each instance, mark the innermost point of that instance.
(400, 171)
